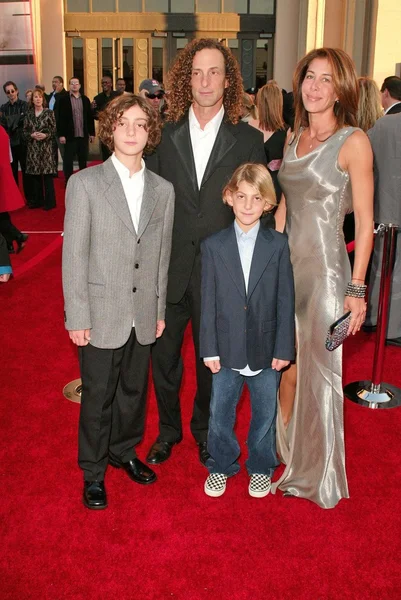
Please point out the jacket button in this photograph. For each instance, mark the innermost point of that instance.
(138, 241)
(134, 290)
(136, 265)
(193, 243)
(200, 215)
(245, 307)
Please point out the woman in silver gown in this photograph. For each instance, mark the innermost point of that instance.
(327, 172)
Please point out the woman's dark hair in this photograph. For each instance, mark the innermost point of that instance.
(345, 83)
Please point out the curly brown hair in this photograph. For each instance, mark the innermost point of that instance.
(345, 84)
(179, 81)
(115, 110)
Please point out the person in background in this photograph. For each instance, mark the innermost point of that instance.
(100, 102)
(5, 264)
(391, 95)
(327, 171)
(40, 131)
(75, 127)
(28, 96)
(252, 92)
(385, 137)
(53, 103)
(153, 92)
(248, 108)
(12, 119)
(288, 108)
(120, 85)
(246, 266)
(10, 199)
(369, 104)
(270, 122)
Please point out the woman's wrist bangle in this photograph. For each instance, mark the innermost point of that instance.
(355, 290)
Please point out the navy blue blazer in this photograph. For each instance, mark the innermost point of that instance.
(247, 328)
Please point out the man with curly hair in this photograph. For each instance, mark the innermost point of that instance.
(202, 145)
(117, 242)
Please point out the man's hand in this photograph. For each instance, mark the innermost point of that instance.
(62, 140)
(213, 365)
(80, 337)
(160, 327)
(278, 365)
(5, 277)
(91, 138)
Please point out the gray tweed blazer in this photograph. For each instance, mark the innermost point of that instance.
(113, 275)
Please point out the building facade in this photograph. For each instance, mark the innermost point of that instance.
(136, 39)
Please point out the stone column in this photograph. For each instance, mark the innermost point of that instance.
(141, 61)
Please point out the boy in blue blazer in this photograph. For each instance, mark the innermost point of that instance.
(247, 329)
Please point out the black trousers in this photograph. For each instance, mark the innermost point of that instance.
(113, 403)
(9, 231)
(19, 158)
(76, 147)
(43, 191)
(167, 367)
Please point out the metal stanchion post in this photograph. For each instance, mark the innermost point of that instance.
(73, 390)
(375, 394)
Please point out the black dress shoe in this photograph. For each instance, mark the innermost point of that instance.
(393, 341)
(135, 469)
(203, 453)
(94, 495)
(21, 239)
(160, 451)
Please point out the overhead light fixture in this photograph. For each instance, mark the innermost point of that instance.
(265, 35)
(179, 34)
(159, 34)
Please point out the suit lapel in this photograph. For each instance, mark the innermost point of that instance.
(149, 202)
(225, 140)
(230, 256)
(181, 139)
(263, 252)
(115, 195)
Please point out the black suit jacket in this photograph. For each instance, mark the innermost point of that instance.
(250, 327)
(65, 121)
(394, 110)
(200, 212)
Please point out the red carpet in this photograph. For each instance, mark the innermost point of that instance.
(169, 540)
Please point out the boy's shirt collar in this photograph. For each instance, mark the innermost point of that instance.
(251, 234)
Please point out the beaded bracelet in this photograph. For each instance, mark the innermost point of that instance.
(355, 290)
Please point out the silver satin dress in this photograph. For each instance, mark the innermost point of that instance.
(318, 195)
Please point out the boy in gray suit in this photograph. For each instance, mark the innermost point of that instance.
(117, 241)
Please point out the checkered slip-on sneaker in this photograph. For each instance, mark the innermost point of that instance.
(215, 485)
(259, 485)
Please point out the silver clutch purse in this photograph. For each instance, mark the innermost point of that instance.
(338, 331)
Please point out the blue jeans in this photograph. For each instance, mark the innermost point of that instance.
(222, 442)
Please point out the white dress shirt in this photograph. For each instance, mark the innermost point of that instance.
(203, 140)
(133, 189)
(246, 245)
(52, 100)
